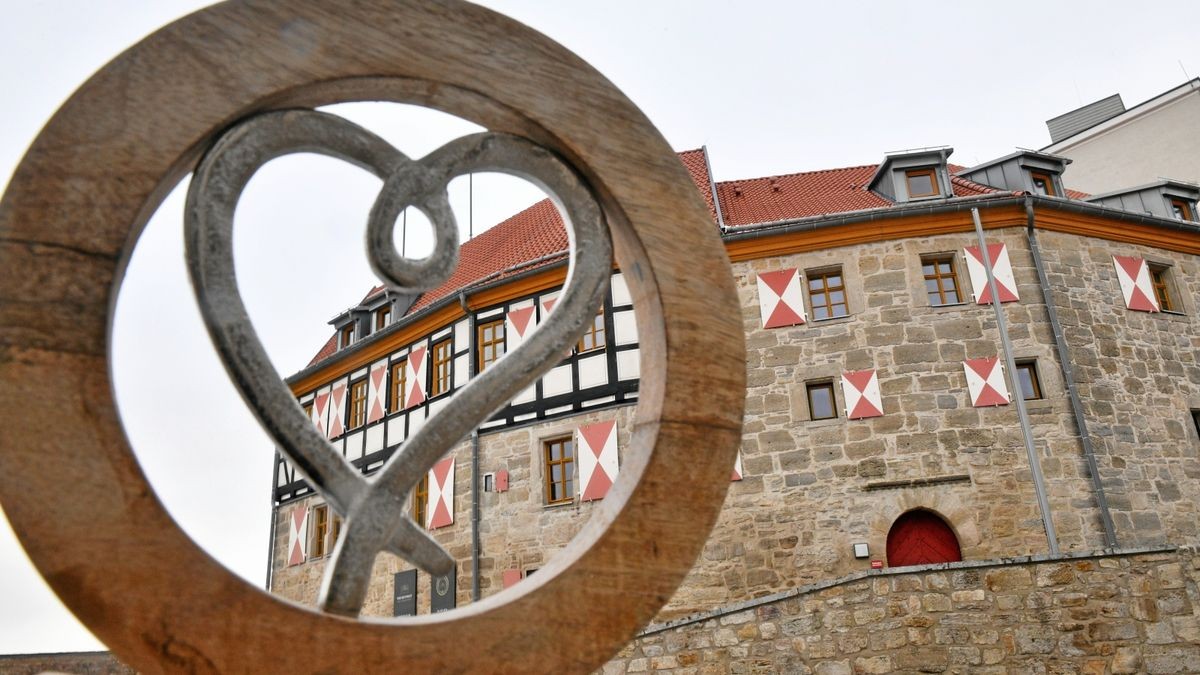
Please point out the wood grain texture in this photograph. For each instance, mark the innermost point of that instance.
(102, 165)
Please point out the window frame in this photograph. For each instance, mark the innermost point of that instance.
(441, 381)
(1035, 176)
(1035, 380)
(481, 343)
(383, 317)
(567, 475)
(1163, 283)
(935, 259)
(396, 385)
(356, 412)
(1185, 208)
(346, 335)
(420, 501)
(823, 275)
(597, 334)
(323, 534)
(930, 171)
(809, 388)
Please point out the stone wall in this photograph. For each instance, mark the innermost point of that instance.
(1125, 613)
(75, 663)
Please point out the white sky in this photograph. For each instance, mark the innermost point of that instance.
(770, 88)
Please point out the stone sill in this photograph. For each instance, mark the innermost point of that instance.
(917, 482)
(895, 571)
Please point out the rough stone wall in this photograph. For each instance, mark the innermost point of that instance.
(1118, 614)
(1139, 380)
(517, 529)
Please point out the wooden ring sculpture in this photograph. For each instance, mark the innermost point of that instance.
(84, 191)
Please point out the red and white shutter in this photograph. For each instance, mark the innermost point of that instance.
(518, 323)
(985, 381)
(297, 535)
(737, 467)
(861, 391)
(1001, 271)
(548, 304)
(376, 391)
(1134, 277)
(320, 410)
(780, 298)
(414, 384)
(441, 495)
(337, 407)
(597, 459)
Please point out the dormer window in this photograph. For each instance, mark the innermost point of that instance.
(383, 316)
(347, 335)
(922, 182)
(1182, 210)
(1043, 184)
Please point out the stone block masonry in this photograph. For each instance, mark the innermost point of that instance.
(1130, 612)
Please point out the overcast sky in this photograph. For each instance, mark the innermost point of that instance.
(769, 87)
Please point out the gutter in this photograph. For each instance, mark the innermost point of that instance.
(1064, 360)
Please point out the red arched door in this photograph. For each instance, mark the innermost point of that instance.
(921, 538)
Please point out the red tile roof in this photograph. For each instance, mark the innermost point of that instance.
(697, 167)
(763, 200)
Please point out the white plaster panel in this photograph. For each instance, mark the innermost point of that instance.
(374, 442)
(557, 381)
(527, 395)
(462, 333)
(395, 429)
(308, 397)
(490, 313)
(354, 445)
(416, 420)
(620, 291)
(441, 334)
(629, 364)
(559, 409)
(526, 416)
(360, 373)
(461, 370)
(593, 371)
(625, 328)
(438, 405)
(598, 401)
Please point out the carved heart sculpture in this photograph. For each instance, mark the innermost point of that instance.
(375, 519)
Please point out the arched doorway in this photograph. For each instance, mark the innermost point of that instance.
(920, 538)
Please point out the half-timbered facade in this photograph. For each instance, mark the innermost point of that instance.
(881, 423)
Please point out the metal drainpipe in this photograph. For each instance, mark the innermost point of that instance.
(1064, 360)
(1035, 465)
(476, 546)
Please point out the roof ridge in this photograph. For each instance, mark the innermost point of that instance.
(800, 173)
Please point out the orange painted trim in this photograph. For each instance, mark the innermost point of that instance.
(1099, 227)
(923, 225)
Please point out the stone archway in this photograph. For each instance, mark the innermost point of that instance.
(921, 537)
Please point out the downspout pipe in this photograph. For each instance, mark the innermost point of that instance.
(1018, 395)
(1064, 360)
(271, 535)
(476, 546)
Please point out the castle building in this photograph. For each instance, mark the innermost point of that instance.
(884, 427)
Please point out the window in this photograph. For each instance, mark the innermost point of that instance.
(489, 344)
(821, 405)
(1196, 419)
(420, 505)
(1042, 184)
(347, 335)
(399, 379)
(441, 368)
(1181, 209)
(941, 281)
(326, 525)
(1027, 376)
(358, 403)
(922, 182)
(1160, 278)
(308, 407)
(489, 482)
(559, 455)
(593, 338)
(827, 292)
(383, 316)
